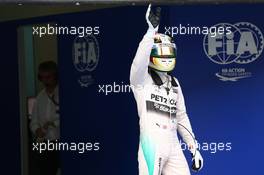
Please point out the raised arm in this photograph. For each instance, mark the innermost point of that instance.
(139, 68)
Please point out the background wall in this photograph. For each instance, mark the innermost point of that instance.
(10, 130)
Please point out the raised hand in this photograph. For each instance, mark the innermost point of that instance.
(153, 18)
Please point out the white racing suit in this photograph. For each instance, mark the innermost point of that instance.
(160, 111)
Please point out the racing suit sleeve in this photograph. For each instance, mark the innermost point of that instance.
(184, 126)
(139, 68)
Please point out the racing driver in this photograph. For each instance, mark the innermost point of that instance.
(161, 106)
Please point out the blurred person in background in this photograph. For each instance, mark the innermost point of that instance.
(45, 122)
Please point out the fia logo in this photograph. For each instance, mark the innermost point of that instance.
(243, 45)
(85, 57)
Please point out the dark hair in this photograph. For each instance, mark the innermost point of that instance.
(48, 66)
